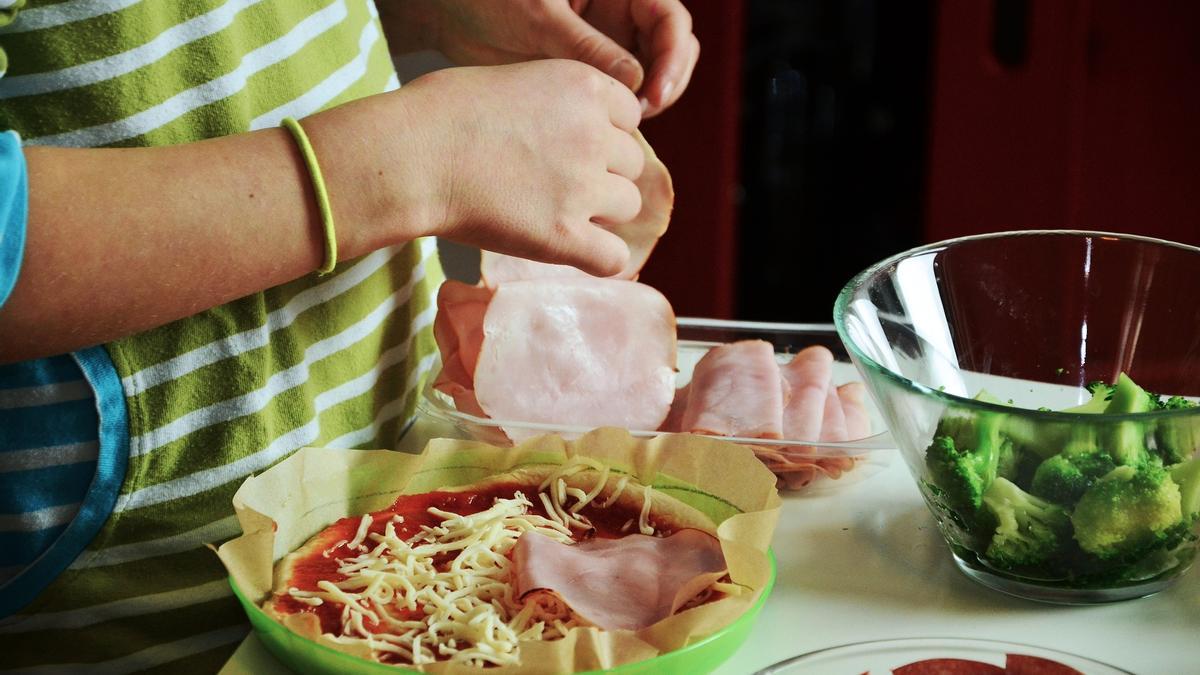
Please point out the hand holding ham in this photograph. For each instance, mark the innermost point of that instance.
(533, 160)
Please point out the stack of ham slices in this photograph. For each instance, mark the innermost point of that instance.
(553, 345)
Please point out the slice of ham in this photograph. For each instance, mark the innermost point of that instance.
(627, 583)
(579, 352)
(641, 234)
(458, 330)
(739, 389)
(853, 396)
(809, 375)
(736, 391)
(674, 421)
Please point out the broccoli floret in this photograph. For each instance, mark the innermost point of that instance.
(1101, 395)
(1064, 478)
(1176, 403)
(1126, 441)
(1176, 440)
(1187, 477)
(1029, 530)
(964, 458)
(1043, 440)
(1128, 511)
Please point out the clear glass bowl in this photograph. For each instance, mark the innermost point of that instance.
(1032, 318)
(815, 465)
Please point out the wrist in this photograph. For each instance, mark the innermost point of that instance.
(370, 157)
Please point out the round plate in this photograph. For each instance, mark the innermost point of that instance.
(926, 656)
(305, 656)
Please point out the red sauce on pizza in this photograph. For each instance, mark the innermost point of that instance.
(323, 562)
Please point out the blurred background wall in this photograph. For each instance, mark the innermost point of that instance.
(819, 136)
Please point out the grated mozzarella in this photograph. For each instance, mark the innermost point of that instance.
(469, 614)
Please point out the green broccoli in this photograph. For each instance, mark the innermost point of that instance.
(1090, 502)
(1128, 511)
(1126, 441)
(1064, 478)
(1176, 440)
(1101, 394)
(1176, 403)
(1042, 439)
(1029, 530)
(965, 456)
(1187, 477)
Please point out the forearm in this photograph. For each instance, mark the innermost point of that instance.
(123, 240)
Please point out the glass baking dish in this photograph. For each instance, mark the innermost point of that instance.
(801, 463)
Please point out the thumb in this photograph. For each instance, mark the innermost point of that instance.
(566, 35)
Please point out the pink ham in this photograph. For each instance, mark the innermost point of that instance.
(736, 391)
(809, 373)
(628, 583)
(674, 421)
(853, 396)
(816, 410)
(458, 330)
(579, 352)
(641, 234)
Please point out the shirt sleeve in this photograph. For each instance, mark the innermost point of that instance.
(14, 209)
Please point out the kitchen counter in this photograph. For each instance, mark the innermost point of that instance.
(864, 562)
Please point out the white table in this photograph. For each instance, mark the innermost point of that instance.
(865, 562)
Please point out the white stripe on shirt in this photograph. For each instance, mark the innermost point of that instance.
(42, 519)
(180, 104)
(45, 394)
(279, 381)
(386, 413)
(253, 338)
(201, 481)
(119, 609)
(45, 457)
(37, 18)
(121, 63)
(223, 529)
(328, 89)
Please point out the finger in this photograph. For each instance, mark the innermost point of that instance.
(667, 28)
(625, 157)
(566, 35)
(592, 249)
(652, 110)
(624, 111)
(618, 202)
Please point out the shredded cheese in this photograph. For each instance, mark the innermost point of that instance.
(398, 602)
(644, 517)
(363, 526)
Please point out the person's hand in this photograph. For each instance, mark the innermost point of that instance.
(530, 160)
(647, 45)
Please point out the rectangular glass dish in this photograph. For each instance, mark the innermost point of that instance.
(801, 463)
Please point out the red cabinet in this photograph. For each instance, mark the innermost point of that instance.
(1094, 124)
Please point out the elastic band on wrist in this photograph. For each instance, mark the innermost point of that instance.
(318, 181)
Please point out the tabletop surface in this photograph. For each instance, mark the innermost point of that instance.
(864, 561)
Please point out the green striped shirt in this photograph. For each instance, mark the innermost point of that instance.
(215, 397)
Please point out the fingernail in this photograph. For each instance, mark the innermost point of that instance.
(645, 104)
(667, 87)
(625, 70)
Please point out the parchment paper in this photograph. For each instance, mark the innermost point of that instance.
(283, 507)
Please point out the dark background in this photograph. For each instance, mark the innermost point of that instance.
(819, 136)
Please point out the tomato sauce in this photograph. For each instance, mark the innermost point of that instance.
(323, 562)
